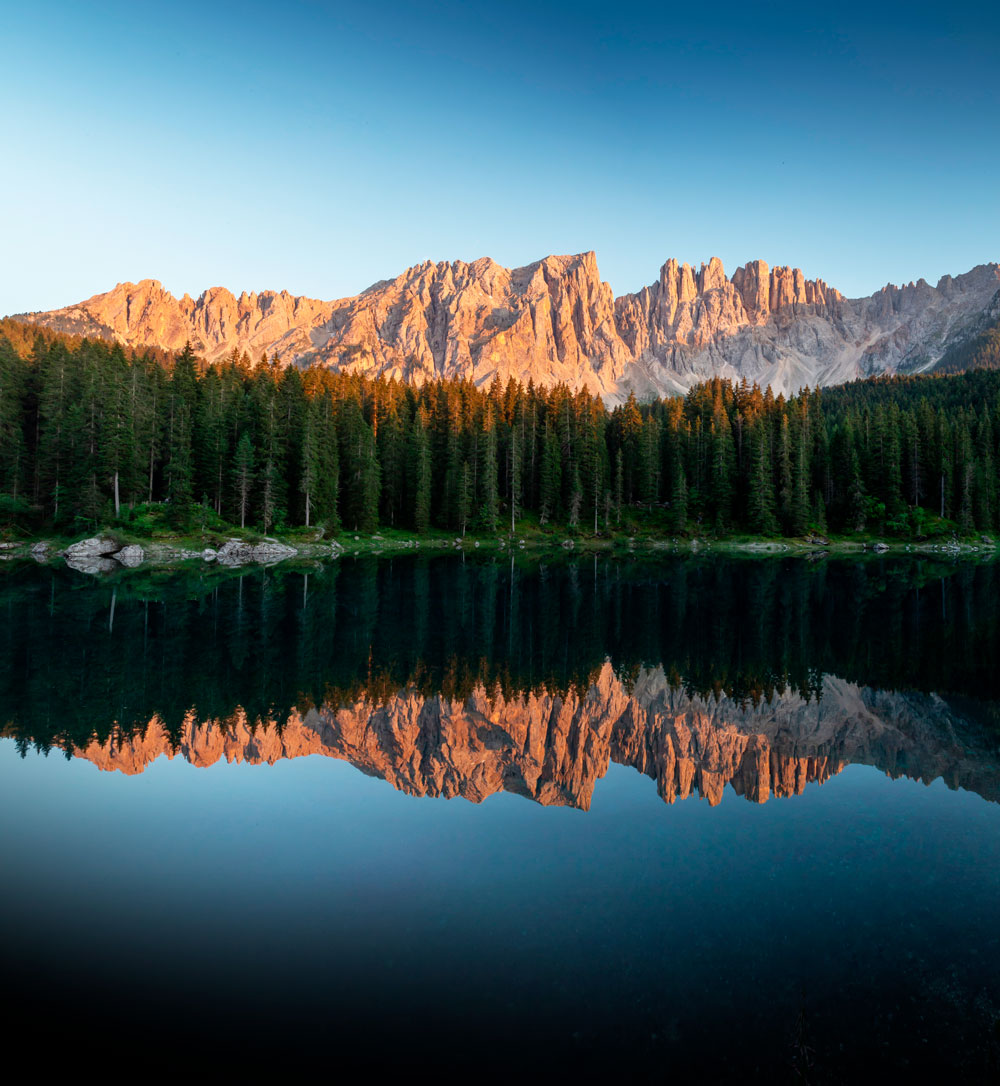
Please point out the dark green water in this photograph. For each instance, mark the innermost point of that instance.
(246, 840)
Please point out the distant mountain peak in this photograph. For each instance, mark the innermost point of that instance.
(554, 320)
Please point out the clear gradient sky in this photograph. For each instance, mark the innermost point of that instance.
(318, 147)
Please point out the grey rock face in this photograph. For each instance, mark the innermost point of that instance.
(555, 321)
(91, 548)
(130, 556)
(93, 555)
(235, 552)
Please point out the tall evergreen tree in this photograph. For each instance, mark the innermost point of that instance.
(359, 469)
(761, 503)
(243, 477)
(13, 448)
(420, 470)
(551, 475)
(489, 488)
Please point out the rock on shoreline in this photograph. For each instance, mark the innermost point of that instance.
(235, 552)
(100, 554)
(105, 554)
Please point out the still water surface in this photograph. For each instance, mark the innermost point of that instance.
(737, 818)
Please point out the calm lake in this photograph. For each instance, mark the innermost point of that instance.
(496, 817)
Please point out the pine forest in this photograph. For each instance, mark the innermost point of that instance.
(91, 434)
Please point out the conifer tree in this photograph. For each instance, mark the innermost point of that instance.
(420, 468)
(785, 488)
(631, 464)
(466, 497)
(179, 468)
(117, 435)
(723, 468)
(965, 474)
(761, 503)
(392, 455)
(799, 513)
(514, 469)
(551, 475)
(270, 447)
(56, 394)
(985, 487)
(650, 461)
(13, 449)
(359, 469)
(86, 429)
(678, 495)
(243, 477)
(325, 461)
(211, 438)
(575, 497)
(489, 489)
(619, 485)
(292, 411)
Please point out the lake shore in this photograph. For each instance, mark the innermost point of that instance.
(109, 550)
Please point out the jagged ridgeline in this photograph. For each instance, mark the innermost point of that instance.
(271, 643)
(91, 433)
(555, 320)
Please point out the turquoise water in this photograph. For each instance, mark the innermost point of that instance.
(571, 920)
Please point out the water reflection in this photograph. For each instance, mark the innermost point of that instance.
(553, 748)
(460, 678)
(845, 933)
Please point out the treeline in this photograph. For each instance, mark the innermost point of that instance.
(90, 434)
(266, 641)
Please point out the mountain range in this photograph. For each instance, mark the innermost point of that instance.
(555, 321)
(553, 749)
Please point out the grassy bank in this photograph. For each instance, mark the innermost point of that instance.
(161, 546)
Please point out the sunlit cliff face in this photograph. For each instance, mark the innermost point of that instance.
(554, 748)
(556, 321)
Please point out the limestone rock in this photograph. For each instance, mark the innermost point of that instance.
(130, 556)
(266, 553)
(555, 321)
(94, 555)
(236, 552)
(93, 547)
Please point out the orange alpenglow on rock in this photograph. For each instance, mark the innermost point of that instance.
(555, 321)
(554, 748)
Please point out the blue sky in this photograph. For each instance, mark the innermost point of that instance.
(320, 147)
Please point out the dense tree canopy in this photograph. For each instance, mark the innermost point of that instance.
(88, 433)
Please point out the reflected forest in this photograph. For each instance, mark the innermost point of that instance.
(267, 643)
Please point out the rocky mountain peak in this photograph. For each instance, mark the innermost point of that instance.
(555, 320)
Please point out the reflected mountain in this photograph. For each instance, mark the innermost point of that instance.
(814, 939)
(455, 677)
(554, 748)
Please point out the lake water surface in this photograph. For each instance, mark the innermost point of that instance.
(739, 818)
